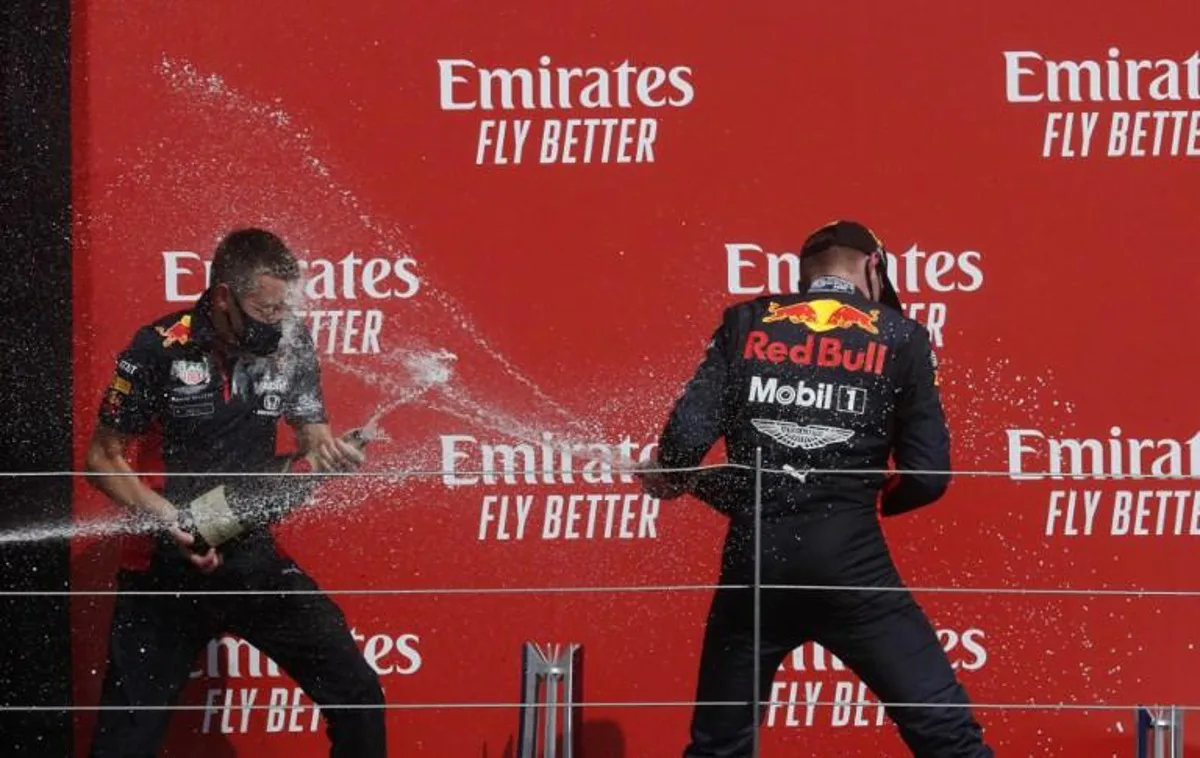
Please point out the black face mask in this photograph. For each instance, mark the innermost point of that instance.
(258, 337)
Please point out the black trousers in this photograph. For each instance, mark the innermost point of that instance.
(155, 640)
(882, 636)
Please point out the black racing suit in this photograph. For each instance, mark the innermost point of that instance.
(823, 380)
(220, 414)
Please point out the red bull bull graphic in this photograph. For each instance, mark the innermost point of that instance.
(797, 313)
(824, 316)
(176, 334)
(825, 352)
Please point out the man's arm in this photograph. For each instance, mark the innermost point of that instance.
(922, 441)
(130, 403)
(127, 410)
(109, 471)
(698, 416)
(305, 412)
(333, 453)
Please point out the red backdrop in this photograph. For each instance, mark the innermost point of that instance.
(1039, 212)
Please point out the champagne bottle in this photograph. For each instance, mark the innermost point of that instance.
(225, 512)
(187, 523)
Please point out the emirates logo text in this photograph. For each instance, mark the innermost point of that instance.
(600, 137)
(1165, 129)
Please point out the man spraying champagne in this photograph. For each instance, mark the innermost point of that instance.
(216, 380)
(822, 490)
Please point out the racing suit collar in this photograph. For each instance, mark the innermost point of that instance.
(204, 331)
(832, 283)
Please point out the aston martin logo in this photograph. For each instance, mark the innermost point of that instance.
(808, 436)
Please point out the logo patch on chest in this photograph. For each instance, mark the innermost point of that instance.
(191, 373)
(271, 405)
(272, 384)
(193, 409)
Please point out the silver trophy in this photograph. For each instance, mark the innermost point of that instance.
(1159, 732)
(544, 671)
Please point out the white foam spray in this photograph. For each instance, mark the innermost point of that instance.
(403, 376)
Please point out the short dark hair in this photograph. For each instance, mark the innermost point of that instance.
(832, 258)
(246, 254)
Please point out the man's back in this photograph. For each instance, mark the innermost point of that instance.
(825, 379)
(830, 379)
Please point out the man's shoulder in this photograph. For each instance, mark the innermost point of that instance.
(910, 337)
(896, 327)
(763, 303)
(741, 314)
(906, 329)
(296, 348)
(166, 335)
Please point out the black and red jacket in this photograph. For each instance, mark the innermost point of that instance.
(821, 380)
(212, 410)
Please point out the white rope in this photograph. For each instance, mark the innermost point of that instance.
(614, 471)
(611, 704)
(1052, 591)
(1048, 591)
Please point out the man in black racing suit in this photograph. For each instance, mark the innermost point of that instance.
(832, 378)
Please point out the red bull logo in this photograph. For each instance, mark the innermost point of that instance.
(823, 316)
(824, 352)
(178, 333)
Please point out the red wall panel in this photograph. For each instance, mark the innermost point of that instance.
(482, 304)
